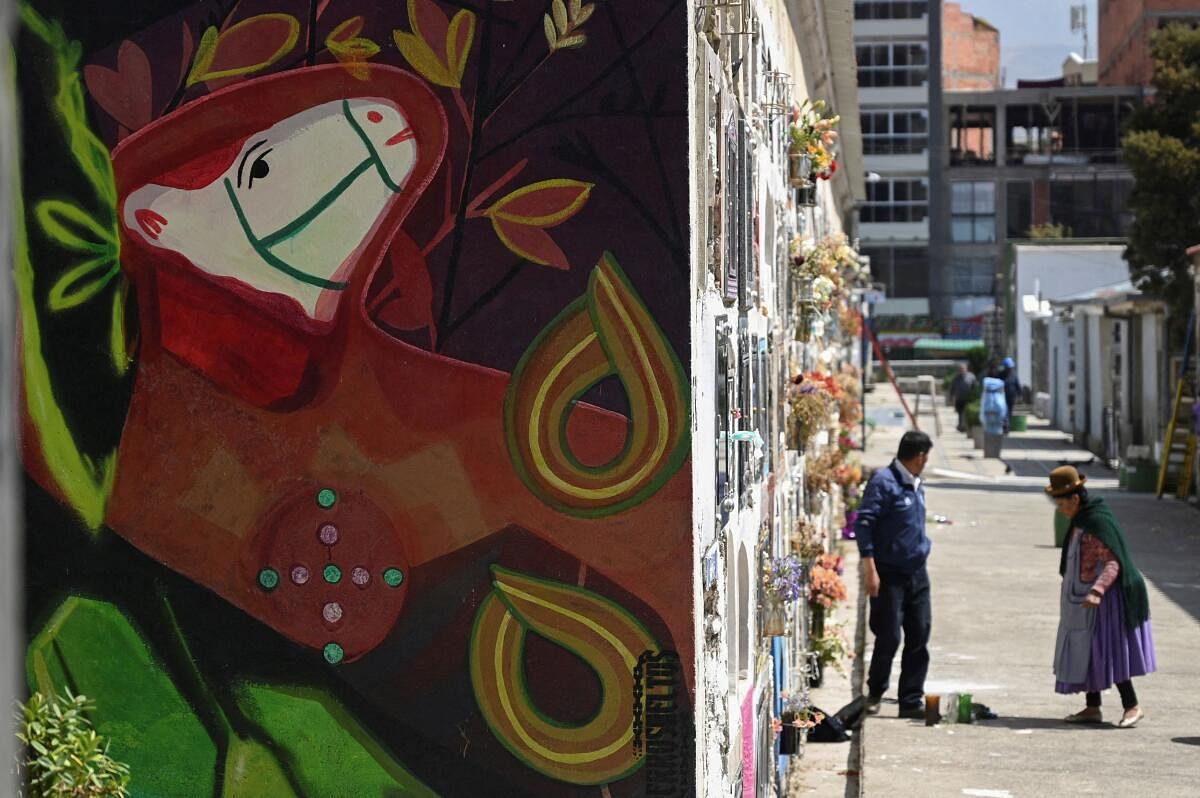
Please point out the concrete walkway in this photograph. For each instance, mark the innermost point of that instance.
(995, 580)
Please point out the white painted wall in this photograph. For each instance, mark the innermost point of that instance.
(11, 622)
(1059, 352)
(908, 162)
(1151, 357)
(915, 29)
(900, 96)
(1079, 415)
(1060, 271)
(883, 232)
(1094, 377)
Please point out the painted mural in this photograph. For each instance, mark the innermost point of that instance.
(353, 344)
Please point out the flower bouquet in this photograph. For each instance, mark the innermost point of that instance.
(825, 586)
(783, 581)
(811, 140)
(833, 647)
(784, 578)
(807, 541)
(793, 724)
(809, 406)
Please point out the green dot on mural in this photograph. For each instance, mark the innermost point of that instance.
(268, 578)
(393, 577)
(333, 653)
(326, 497)
(333, 574)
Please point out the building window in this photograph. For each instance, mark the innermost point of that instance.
(972, 276)
(895, 132)
(891, 9)
(896, 200)
(1089, 207)
(1020, 208)
(892, 64)
(904, 271)
(973, 212)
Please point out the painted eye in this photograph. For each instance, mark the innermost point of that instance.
(259, 170)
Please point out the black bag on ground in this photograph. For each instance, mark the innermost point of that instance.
(836, 727)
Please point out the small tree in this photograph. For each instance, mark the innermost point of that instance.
(1162, 147)
(64, 756)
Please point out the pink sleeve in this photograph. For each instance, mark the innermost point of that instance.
(1112, 568)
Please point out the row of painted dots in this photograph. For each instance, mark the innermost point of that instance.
(268, 578)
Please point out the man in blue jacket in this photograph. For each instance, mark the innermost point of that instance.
(892, 543)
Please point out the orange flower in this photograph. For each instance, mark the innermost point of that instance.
(351, 49)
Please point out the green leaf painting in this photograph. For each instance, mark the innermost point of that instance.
(310, 747)
(330, 753)
(91, 647)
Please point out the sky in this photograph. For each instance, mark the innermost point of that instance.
(1035, 35)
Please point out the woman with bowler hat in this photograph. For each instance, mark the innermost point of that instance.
(1104, 635)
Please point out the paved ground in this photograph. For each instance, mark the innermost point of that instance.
(995, 594)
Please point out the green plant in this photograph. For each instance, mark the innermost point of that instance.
(833, 646)
(64, 756)
(972, 413)
(1048, 231)
(977, 359)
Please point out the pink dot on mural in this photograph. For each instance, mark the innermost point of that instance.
(328, 534)
(360, 576)
(300, 574)
(332, 612)
(374, 116)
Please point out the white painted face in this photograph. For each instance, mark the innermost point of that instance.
(295, 207)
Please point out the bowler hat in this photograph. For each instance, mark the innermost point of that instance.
(1064, 479)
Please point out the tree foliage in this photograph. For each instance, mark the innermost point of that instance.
(1162, 146)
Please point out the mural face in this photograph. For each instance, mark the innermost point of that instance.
(356, 415)
(324, 177)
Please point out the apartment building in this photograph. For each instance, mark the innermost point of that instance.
(898, 49)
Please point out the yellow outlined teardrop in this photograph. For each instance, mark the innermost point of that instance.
(605, 332)
(598, 631)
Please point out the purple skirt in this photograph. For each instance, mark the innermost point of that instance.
(1118, 652)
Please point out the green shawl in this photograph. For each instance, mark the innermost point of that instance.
(1096, 519)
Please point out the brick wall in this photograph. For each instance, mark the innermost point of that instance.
(1125, 29)
(970, 51)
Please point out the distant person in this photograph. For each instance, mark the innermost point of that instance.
(993, 411)
(1012, 389)
(960, 392)
(890, 531)
(1104, 636)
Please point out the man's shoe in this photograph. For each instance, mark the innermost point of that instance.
(912, 712)
(873, 702)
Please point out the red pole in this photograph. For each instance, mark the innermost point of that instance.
(888, 369)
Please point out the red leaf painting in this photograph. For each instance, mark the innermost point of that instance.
(126, 93)
(532, 243)
(408, 303)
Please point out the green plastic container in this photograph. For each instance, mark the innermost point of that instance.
(1020, 423)
(1139, 476)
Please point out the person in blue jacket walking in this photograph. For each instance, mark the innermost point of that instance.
(890, 531)
(994, 407)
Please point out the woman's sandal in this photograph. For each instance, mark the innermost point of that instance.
(1129, 723)
(1085, 716)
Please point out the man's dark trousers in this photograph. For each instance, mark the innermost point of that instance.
(903, 605)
